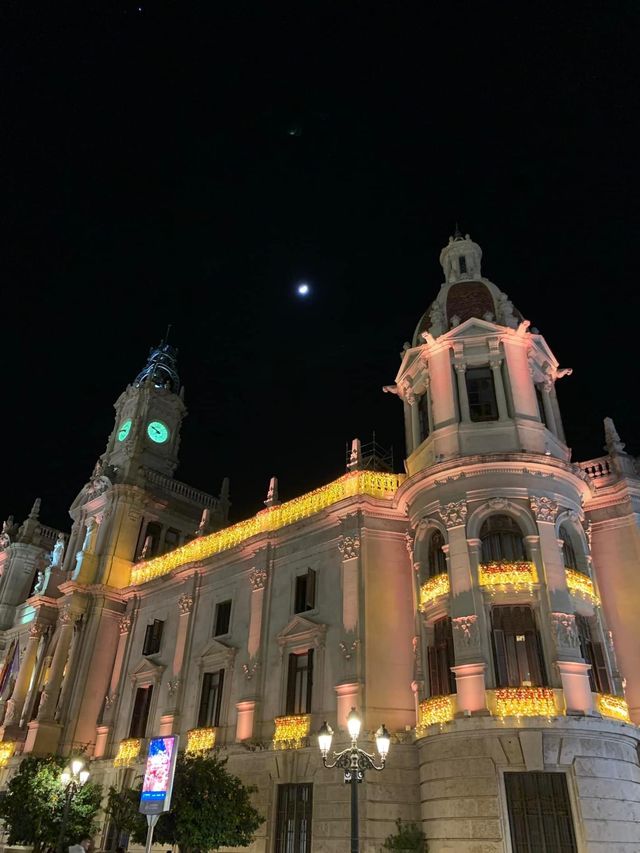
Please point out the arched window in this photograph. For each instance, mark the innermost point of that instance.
(436, 560)
(568, 551)
(501, 540)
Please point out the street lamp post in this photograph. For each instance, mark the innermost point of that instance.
(354, 761)
(72, 778)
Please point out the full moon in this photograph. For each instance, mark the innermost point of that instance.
(302, 289)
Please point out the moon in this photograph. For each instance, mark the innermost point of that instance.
(303, 289)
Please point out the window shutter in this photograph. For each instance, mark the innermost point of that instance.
(450, 659)
(204, 699)
(500, 653)
(216, 715)
(310, 593)
(291, 685)
(600, 669)
(434, 682)
(309, 680)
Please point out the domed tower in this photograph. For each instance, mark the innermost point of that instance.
(516, 681)
(476, 379)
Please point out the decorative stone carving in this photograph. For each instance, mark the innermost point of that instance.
(454, 514)
(466, 630)
(9, 529)
(249, 670)
(258, 578)
(588, 530)
(348, 649)
(349, 546)
(543, 508)
(564, 630)
(185, 603)
(37, 630)
(172, 686)
(409, 539)
(497, 503)
(110, 701)
(125, 624)
(66, 616)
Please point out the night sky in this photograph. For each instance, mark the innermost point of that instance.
(191, 163)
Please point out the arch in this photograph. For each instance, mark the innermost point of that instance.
(502, 539)
(426, 530)
(575, 549)
(501, 506)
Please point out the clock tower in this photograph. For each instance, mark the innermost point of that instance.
(149, 413)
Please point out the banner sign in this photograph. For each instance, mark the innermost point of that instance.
(158, 775)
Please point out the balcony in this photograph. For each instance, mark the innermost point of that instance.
(128, 752)
(291, 731)
(433, 711)
(613, 706)
(7, 748)
(581, 585)
(200, 741)
(507, 576)
(523, 702)
(435, 587)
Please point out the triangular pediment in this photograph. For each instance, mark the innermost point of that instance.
(214, 649)
(300, 629)
(471, 328)
(147, 670)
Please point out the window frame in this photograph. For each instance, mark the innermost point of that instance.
(216, 617)
(510, 653)
(141, 731)
(150, 630)
(292, 706)
(476, 416)
(281, 842)
(571, 800)
(310, 594)
(216, 715)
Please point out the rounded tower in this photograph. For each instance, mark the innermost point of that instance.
(518, 695)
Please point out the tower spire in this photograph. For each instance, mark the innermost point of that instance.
(161, 367)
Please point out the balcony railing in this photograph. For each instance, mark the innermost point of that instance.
(128, 752)
(437, 709)
(291, 731)
(582, 585)
(435, 587)
(507, 575)
(524, 702)
(613, 706)
(200, 741)
(7, 748)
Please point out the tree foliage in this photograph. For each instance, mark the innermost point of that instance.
(210, 808)
(34, 803)
(122, 811)
(407, 837)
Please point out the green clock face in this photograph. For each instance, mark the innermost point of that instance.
(158, 432)
(125, 429)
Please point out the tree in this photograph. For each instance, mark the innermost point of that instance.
(408, 838)
(210, 808)
(122, 811)
(34, 802)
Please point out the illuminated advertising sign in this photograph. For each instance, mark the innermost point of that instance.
(158, 775)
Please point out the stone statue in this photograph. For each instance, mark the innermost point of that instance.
(437, 319)
(57, 555)
(8, 530)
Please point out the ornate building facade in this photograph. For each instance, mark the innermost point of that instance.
(482, 604)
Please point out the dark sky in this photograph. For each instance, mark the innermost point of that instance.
(149, 174)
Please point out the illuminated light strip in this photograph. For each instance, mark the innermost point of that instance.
(200, 741)
(613, 706)
(525, 702)
(435, 587)
(503, 574)
(290, 731)
(582, 585)
(438, 709)
(371, 483)
(128, 752)
(7, 748)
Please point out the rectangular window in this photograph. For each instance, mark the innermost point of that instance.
(462, 261)
(300, 683)
(539, 813)
(541, 411)
(481, 393)
(516, 648)
(223, 618)
(305, 596)
(441, 680)
(593, 653)
(211, 699)
(153, 637)
(293, 819)
(140, 715)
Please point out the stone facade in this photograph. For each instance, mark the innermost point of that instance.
(482, 605)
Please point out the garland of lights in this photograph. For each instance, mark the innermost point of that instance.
(435, 587)
(581, 585)
(6, 751)
(613, 706)
(290, 731)
(525, 702)
(375, 484)
(503, 574)
(438, 709)
(200, 741)
(128, 752)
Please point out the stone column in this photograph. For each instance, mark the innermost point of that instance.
(171, 712)
(51, 690)
(429, 411)
(412, 400)
(113, 698)
(349, 547)
(557, 420)
(257, 581)
(498, 382)
(16, 703)
(69, 682)
(465, 414)
(548, 408)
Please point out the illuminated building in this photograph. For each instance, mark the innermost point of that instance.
(482, 604)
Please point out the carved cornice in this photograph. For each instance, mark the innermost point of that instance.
(466, 630)
(349, 546)
(185, 603)
(544, 509)
(258, 579)
(124, 624)
(454, 514)
(565, 632)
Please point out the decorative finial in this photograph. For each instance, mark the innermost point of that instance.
(272, 493)
(224, 490)
(35, 510)
(355, 457)
(613, 444)
(457, 234)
